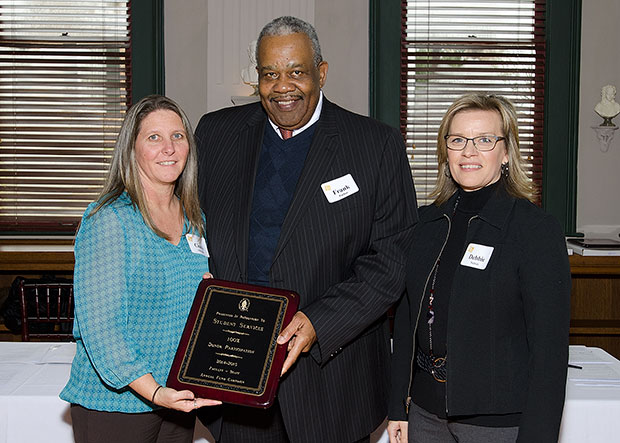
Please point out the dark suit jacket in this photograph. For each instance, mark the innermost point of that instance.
(508, 324)
(345, 259)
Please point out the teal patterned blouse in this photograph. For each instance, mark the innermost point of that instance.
(133, 293)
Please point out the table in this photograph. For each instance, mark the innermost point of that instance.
(592, 407)
(31, 377)
(33, 374)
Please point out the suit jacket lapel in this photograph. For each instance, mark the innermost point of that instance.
(324, 143)
(248, 150)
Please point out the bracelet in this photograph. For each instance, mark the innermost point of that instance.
(156, 389)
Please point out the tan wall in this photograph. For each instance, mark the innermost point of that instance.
(185, 46)
(342, 26)
(598, 178)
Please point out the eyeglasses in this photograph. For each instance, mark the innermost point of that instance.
(481, 143)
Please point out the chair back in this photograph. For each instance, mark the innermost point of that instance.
(47, 310)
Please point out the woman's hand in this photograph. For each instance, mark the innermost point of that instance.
(159, 395)
(397, 431)
(181, 400)
(207, 275)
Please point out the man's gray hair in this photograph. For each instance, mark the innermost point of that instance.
(287, 25)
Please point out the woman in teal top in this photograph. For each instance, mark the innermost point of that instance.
(137, 268)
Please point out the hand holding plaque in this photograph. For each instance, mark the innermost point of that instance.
(299, 336)
(228, 350)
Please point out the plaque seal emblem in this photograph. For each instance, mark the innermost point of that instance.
(244, 305)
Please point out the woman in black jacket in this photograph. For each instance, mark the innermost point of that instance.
(481, 337)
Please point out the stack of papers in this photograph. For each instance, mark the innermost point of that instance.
(600, 249)
(595, 370)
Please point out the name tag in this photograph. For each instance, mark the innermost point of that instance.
(477, 256)
(197, 244)
(337, 189)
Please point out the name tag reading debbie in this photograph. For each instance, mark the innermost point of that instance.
(228, 350)
(477, 256)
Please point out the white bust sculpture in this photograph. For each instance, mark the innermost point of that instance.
(249, 75)
(608, 108)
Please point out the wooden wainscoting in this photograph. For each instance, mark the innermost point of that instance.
(595, 302)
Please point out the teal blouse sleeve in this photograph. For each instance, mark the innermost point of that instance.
(101, 298)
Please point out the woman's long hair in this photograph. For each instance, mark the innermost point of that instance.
(123, 174)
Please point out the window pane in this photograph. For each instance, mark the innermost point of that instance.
(64, 89)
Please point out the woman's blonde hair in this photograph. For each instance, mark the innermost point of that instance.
(516, 183)
(123, 174)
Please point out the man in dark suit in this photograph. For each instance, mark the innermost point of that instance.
(326, 212)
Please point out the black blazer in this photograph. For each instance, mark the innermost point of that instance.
(507, 325)
(345, 259)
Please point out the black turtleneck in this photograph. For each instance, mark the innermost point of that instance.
(427, 392)
(468, 205)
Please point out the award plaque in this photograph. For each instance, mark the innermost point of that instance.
(228, 350)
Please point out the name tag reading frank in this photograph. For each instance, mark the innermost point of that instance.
(477, 256)
(339, 188)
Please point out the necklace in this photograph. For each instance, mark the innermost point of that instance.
(438, 363)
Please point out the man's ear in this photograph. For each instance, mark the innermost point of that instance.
(323, 66)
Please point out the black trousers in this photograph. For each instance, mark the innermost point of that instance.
(260, 426)
(242, 424)
(160, 426)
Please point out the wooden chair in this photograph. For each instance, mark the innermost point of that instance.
(47, 310)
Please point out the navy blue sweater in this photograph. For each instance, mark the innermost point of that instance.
(279, 168)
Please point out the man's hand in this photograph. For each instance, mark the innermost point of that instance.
(300, 336)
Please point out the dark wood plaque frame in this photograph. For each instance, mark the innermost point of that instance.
(256, 388)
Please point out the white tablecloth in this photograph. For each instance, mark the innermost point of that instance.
(33, 374)
(31, 377)
(592, 408)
